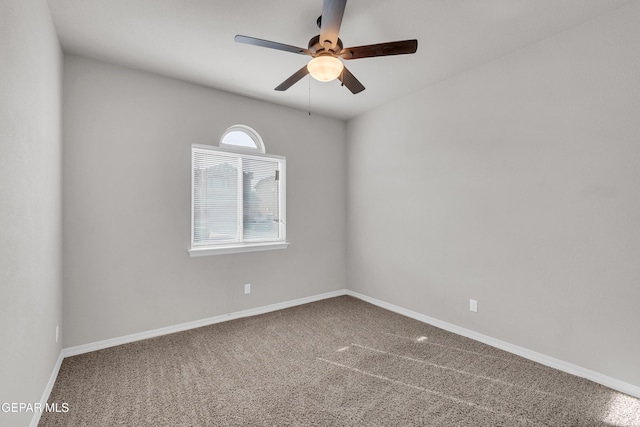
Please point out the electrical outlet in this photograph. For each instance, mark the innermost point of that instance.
(247, 288)
(57, 332)
(473, 305)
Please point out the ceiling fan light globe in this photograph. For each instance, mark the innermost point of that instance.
(325, 68)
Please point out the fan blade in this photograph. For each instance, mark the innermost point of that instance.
(350, 81)
(271, 45)
(293, 79)
(332, 12)
(383, 49)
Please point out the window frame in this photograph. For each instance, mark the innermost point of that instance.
(243, 246)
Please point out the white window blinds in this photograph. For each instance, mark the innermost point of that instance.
(237, 198)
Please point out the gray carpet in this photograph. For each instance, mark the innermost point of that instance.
(337, 362)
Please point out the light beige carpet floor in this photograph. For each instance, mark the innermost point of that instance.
(337, 362)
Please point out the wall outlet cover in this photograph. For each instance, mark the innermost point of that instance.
(473, 305)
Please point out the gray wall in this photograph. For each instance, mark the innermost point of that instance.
(30, 203)
(127, 139)
(516, 184)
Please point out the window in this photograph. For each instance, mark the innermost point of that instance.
(242, 137)
(238, 196)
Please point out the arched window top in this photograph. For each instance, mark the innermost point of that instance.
(242, 137)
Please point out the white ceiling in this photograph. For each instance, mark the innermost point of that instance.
(192, 40)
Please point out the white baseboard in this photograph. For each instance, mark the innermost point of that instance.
(47, 391)
(561, 365)
(112, 342)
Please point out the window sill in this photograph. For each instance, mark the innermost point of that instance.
(234, 249)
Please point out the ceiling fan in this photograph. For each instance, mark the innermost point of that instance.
(327, 50)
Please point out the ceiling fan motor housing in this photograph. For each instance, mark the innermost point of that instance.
(318, 48)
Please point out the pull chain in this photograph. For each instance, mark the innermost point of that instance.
(309, 79)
